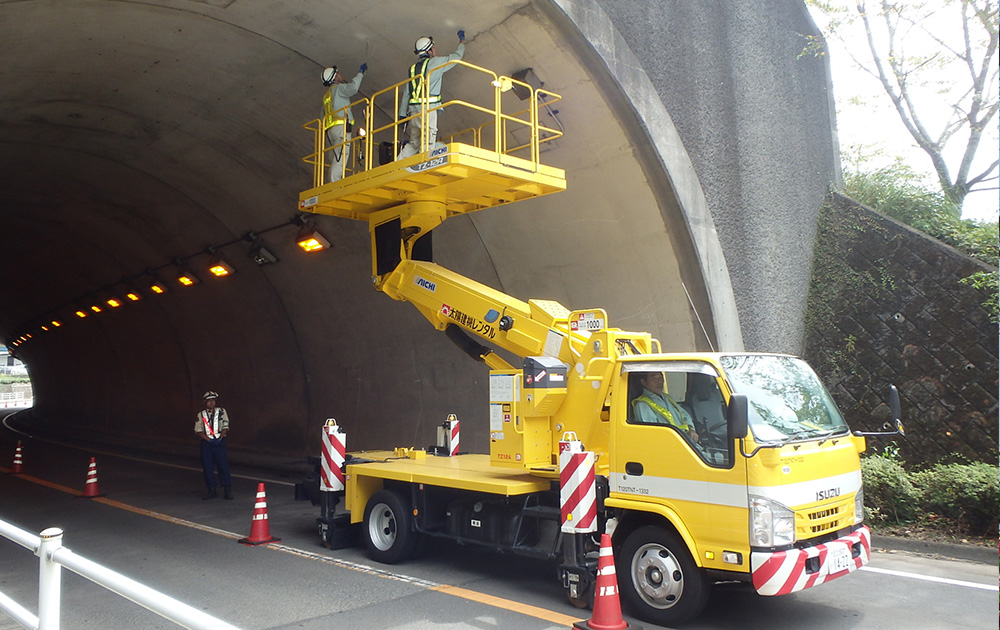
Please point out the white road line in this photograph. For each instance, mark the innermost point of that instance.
(931, 578)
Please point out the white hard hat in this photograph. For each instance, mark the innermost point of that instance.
(210, 395)
(329, 74)
(423, 44)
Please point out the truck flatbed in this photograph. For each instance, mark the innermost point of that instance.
(463, 472)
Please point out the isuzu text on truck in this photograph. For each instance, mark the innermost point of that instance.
(761, 485)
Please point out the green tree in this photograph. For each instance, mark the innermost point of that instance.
(929, 55)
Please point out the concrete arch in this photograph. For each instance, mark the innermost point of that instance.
(135, 133)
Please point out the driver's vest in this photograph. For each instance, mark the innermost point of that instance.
(417, 77)
(662, 411)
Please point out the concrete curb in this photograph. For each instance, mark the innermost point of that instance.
(972, 553)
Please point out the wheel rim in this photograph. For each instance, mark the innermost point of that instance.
(657, 576)
(382, 527)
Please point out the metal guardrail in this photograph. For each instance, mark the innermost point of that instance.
(494, 134)
(53, 556)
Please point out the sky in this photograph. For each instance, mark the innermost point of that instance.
(866, 116)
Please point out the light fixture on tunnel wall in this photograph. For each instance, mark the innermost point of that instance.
(258, 252)
(133, 295)
(154, 283)
(310, 239)
(218, 266)
(111, 298)
(82, 314)
(184, 276)
(56, 323)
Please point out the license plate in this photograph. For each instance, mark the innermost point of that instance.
(839, 559)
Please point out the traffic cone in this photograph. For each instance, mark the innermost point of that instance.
(260, 531)
(18, 463)
(607, 606)
(90, 488)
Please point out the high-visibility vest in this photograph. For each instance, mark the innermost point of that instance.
(211, 422)
(417, 78)
(329, 120)
(669, 416)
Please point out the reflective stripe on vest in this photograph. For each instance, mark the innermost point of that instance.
(663, 411)
(329, 120)
(417, 78)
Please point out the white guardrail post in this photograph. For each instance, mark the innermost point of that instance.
(49, 579)
(53, 556)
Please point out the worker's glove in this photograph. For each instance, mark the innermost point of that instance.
(364, 68)
(461, 36)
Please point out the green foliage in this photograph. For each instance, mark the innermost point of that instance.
(966, 496)
(888, 491)
(987, 282)
(901, 194)
(966, 493)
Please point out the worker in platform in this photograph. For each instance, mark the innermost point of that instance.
(427, 69)
(338, 122)
(212, 426)
(655, 406)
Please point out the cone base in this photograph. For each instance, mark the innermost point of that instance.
(254, 543)
(90, 496)
(585, 625)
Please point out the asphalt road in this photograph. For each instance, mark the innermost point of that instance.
(153, 527)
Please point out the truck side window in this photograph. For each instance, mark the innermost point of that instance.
(689, 402)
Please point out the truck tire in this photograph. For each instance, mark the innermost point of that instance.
(660, 582)
(388, 530)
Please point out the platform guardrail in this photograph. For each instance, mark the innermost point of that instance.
(498, 131)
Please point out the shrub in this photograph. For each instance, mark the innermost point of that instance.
(888, 491)
(969, 494)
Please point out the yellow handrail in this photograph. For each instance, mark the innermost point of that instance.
(363, 147)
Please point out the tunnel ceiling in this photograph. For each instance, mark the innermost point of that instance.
(133, 133)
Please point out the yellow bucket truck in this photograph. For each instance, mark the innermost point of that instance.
(707, 466)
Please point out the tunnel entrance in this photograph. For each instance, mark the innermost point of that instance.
(15, 382)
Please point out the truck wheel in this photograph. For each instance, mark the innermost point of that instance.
(389, 535)
(660, 583)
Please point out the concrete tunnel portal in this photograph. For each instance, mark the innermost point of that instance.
(135, 134)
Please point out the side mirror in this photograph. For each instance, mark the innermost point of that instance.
(736, 417)
(895, 412)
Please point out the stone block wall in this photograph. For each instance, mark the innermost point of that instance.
(887, 306)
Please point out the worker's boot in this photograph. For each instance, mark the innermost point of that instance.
(227, 492)
(210, 495)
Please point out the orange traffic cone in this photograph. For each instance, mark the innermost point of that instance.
(260, 531)
(90, 488)
(18, 463)
(607, 606)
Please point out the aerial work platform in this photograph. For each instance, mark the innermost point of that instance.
(493, 162)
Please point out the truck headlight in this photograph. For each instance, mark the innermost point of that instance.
(771, 524)
(859, 506)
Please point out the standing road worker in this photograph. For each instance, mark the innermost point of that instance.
(427, 69)
(212, 426)
(338, 120)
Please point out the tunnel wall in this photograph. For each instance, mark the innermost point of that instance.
(129, 155)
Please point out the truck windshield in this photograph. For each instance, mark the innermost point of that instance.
(786, 399)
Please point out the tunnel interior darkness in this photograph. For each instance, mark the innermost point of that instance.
(137, 133)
